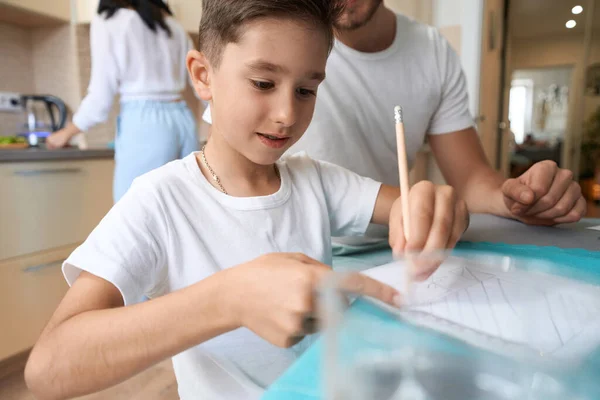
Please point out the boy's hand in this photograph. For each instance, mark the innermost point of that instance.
(437, 220)
(273, 295)
(544, 195)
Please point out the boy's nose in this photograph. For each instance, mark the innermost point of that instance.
(285, 111)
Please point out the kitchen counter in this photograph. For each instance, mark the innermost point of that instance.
(41, 154)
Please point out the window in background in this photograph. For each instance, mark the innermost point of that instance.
(519, 110)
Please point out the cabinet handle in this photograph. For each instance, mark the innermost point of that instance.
(50, 171)
(36, 268)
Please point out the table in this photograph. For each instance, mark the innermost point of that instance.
(574, 245)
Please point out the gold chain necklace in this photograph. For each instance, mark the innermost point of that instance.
(215, 177)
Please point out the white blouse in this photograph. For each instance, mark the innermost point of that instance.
(129, 59)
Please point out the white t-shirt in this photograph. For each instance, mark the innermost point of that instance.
(173, 229)
(131, 60)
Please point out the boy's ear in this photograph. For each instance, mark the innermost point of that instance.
(199, 68)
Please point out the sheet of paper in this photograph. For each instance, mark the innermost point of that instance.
(487, 305)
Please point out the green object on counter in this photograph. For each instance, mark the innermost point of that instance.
(12, 139)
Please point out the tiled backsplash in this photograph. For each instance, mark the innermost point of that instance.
(54, 60)
(16, 70)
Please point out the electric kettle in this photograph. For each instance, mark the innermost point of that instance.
(42, 115)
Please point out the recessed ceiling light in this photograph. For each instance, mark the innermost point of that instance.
(577, 10)
(571, 24)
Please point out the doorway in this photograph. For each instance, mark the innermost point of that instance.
(543, 92)
(538, 114)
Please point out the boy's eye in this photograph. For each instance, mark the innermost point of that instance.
(306, 92)
(262, 85)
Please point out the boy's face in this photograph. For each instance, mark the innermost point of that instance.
(264, 90)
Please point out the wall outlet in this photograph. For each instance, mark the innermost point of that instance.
(10, 102)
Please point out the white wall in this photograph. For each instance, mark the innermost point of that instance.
(417, 9)
(467, 17)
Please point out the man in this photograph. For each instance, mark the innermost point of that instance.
(381, 60)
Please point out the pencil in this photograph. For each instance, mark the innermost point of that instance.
(404, 185)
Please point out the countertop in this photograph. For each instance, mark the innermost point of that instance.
(42, 154)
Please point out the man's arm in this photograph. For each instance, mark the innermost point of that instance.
(465, 167)
(544, 195)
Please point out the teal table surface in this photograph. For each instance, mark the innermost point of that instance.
(576, 255)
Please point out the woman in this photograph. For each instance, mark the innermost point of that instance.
(138, 51)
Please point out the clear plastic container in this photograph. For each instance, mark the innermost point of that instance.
(483, 326)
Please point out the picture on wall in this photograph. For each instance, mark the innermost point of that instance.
(592, 80)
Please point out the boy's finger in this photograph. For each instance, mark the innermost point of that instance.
(303, 258)
(461, 223)
(443, 220)
(363, 285)
(422, 210)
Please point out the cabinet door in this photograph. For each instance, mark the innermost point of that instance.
(188, 13)
(46, 205)
(30, 290)
(58, 9)
(84, 11)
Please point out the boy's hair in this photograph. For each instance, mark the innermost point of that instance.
(223, 20)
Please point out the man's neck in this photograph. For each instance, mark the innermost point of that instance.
(376, 35)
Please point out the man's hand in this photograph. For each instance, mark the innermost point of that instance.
(544, 195)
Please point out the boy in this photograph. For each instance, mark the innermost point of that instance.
(204, 237)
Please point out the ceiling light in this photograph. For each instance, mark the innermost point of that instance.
(577, 10)
(571, 24)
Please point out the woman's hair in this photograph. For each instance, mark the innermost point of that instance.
(151, 11)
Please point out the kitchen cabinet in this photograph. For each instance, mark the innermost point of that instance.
(46, 209)
(187, 12)
(55, 9)
(30, 290)
(84, 11)
(45, 205)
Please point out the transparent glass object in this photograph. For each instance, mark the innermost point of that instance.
(483, 326)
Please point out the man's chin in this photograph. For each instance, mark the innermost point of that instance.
(355, 18)
(349, 25)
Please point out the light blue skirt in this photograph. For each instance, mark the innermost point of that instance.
(150, 133)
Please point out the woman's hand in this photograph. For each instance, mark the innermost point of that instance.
(61, 138)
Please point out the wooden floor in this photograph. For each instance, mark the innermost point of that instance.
(156, 383)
